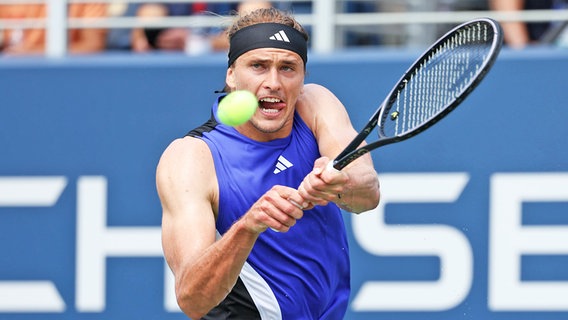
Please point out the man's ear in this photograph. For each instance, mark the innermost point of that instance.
(230, 79)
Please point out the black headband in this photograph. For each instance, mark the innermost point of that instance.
(267, 35)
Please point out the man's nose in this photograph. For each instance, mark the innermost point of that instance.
(272, 80)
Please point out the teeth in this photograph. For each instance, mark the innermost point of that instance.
(269, 110)
(272, 100)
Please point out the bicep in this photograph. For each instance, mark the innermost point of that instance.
(186, 191)
(185, 235)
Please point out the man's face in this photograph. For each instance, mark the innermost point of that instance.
(276, 76)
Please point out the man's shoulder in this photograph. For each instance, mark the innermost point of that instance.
(314, 88)
(309, 102)
(316, 104)
(315, 96)
(186, 144)
(185, 150)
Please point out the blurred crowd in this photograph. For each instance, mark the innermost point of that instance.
(27, 41)
(86, 40)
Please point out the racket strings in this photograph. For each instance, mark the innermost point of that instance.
(442, 77)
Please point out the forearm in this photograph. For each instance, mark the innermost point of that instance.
(204, 284)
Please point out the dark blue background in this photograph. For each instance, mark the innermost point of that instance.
(113, 116)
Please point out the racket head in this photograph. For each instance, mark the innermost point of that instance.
(436, 83)
(439, 80)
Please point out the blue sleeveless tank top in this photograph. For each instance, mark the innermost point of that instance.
(303, 273)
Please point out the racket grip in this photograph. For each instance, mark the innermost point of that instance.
(296, 204)
(330, 166)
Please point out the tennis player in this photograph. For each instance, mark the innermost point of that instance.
(252, 226)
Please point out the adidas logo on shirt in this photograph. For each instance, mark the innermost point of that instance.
(282, 164)
(280, 36)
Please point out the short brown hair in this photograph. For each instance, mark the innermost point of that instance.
(265, 15)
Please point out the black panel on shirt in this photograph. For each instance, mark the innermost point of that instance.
(238, 305)
(206, 127)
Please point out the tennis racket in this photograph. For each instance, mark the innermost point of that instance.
(432, 87)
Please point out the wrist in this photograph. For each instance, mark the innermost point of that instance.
(343, 202)
(243, 226)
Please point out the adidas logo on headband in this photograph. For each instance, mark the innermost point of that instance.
(280, 36)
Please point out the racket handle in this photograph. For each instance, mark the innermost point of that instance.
(330, 166)
(296, 204)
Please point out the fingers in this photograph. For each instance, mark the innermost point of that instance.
(278, 209)
(281, 207)
(320, 165)
(323, 184)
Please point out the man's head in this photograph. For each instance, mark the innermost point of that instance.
(267, 57)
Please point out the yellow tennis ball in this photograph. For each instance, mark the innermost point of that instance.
(237, 107)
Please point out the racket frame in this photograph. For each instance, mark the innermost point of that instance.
(354, 150)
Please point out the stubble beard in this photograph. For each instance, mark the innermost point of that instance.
(268, 128)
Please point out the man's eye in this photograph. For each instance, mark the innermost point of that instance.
(287, 68)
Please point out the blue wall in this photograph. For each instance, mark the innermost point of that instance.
(491, 243)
